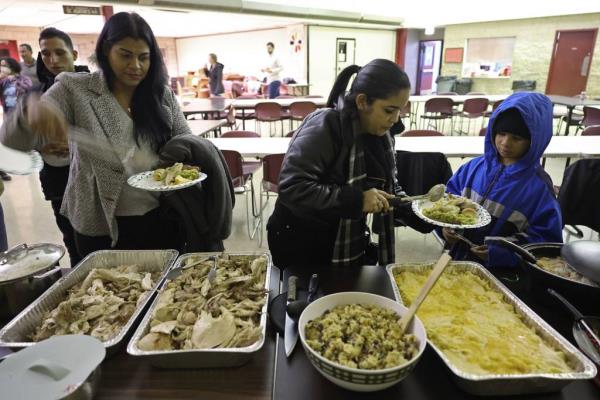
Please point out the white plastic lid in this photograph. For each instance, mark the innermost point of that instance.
(51, 369)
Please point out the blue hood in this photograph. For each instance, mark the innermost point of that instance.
(536, 110)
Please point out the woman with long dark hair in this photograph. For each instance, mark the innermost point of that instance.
(340, 166)
(117, 120)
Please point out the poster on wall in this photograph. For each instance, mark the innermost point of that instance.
(453, 55)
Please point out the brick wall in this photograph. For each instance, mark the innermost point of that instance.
(533, 49)
(84, 44)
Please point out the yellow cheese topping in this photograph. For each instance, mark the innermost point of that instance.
(476, 329)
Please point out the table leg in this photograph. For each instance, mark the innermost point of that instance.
(243, 119)
(569, 119)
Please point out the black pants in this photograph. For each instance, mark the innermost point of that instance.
(146, 232)
(67, 231)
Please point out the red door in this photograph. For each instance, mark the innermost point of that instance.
(429, 64)
(570, 63)
(8, 48)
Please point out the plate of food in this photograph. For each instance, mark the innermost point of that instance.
(177, 176)
(452, 211)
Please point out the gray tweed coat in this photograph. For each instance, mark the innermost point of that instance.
(97, 175)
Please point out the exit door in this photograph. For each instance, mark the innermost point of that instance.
(344, 55)
(430, 56)
(571, 60)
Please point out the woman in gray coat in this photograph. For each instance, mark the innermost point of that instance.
(117, 120)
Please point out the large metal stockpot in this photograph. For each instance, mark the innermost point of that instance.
(25, 273)
(584, 296)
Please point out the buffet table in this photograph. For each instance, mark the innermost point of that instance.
(270, 375)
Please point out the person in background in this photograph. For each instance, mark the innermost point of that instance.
(28, 65)
(339, 167)
(510, 183)
(56, 55)
(116, 121)
(12, 83)
(214, 72)
(272, 69)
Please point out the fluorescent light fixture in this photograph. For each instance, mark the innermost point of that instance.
(429, 30)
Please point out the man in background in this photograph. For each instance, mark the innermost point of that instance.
(272, 69)
(28, 65)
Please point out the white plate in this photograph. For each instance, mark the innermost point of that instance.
(20, 163)
(145, 181)
(483, 216)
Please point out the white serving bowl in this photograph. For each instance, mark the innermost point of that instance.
(359, 380)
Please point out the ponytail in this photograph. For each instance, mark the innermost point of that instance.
(378, 79)
(340, 85)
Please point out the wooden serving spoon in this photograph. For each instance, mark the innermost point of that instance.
(440, 266)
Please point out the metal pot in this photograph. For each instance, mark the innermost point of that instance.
(25, 273)
(585, 297)
(62, 367)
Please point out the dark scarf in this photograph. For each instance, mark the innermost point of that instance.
(349, 246)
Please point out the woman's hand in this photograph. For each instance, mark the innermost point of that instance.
(481, 252)
(450, 236)
(375, 200)
(48, 121)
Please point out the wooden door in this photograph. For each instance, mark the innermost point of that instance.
(344, 55)
(429, 65)
(571, 61)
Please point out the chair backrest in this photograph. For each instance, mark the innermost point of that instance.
(422, 132)
(593, 130)
(290, 133)
(271, 170)
(268, 111)
(233, 159)
(482, 131)
(240, 134)
(237, 88)
(300, 109)
(591, 116)
(477, 105)
(496, 104)
(442, 105)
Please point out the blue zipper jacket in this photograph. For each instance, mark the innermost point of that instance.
(519, 197)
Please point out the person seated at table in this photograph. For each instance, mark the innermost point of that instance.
(340, 167)
(116, 121)
(510, 183)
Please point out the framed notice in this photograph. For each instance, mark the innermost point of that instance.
(453, 55)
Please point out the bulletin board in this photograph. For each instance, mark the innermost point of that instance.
(453, 55)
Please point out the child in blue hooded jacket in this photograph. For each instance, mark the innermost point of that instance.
(510, 183)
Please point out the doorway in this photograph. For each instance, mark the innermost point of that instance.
(430, 57)
(8, 48)
(344, 54)
(570, 63)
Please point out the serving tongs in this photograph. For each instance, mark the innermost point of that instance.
(212, 274)
(583, 329)
(434, 194)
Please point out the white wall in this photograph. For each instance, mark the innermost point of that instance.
(244, 52)
(370, 44)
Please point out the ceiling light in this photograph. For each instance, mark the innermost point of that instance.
(429, 30)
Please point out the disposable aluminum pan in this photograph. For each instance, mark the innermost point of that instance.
(201, 358)
(17, 332)
(510, 384)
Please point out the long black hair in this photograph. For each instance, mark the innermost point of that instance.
(151, 123)
(379, 79)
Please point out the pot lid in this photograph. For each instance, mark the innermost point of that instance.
(24, 260)
(51, 369)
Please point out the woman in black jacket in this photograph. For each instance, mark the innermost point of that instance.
(340, 167)
(214, 71)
